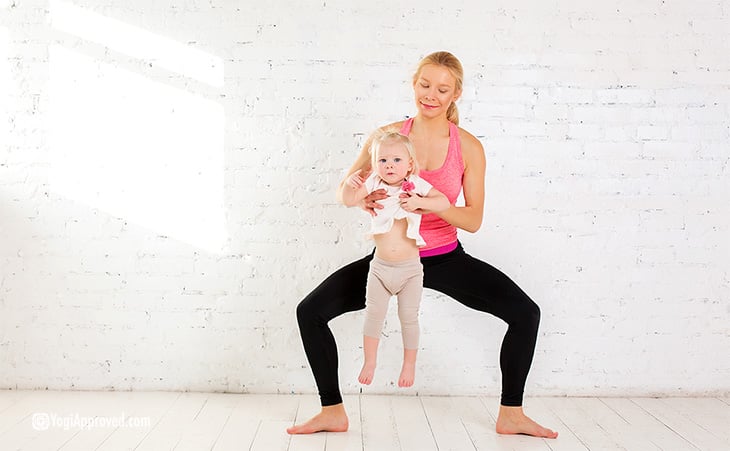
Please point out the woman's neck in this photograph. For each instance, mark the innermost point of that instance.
(431, 127)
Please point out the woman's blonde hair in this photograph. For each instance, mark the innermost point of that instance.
(452, 63)
(392, 136)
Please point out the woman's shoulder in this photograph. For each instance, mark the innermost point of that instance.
(470, 145)
(397, 126)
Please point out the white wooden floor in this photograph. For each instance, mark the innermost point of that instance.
(46, 420)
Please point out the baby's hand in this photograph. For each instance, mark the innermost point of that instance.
(410, 202)
(355, 180)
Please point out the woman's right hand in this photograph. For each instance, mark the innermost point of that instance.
(370, 203)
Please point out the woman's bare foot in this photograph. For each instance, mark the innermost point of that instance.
(330, 419)
(512, 420)
(407, 375)
(366, 373)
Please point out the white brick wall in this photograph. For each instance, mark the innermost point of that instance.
(167, 178)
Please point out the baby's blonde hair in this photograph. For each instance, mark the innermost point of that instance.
(392, 136)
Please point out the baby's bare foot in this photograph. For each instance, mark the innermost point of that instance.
(366, 374)
(407, 375)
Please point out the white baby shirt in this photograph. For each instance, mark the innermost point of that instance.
(392, 210)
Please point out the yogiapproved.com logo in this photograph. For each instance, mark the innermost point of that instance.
(42, 421)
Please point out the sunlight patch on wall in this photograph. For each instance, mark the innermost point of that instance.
(137, 149)
(137, 43)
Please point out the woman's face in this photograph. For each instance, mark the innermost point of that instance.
(435, 90)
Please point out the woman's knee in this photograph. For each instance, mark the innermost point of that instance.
(306, 313)
(532, 314)
(524, 315)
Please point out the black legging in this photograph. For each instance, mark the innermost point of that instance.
(472, 282)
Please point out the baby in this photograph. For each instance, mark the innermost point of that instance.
(396, 268)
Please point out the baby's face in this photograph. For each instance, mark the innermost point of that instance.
(393, 162)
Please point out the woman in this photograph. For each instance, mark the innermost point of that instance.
(452, 160)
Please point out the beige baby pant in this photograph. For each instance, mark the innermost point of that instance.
(401, 279)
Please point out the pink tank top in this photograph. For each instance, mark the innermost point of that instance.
(440, 236)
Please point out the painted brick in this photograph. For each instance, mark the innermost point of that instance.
(605, 127)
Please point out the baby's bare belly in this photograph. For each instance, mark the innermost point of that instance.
(395, 246)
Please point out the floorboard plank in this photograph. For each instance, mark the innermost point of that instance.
(54, 431)
(17, 426)
(11, 397)
(446, 425)
(147, 407)
(24, 406)
(65, 414)
(590, 434)
(647, 425)
(239, 429)
(412, 425)
(277, 413)
(167, 432)
(205, 429)
(112, 412)
(308, 442)
(626, 435)
(379, 431)
(479, 424)
(680, 424)
(710, 414)
(271, 436)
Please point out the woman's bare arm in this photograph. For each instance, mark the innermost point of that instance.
(469, 217)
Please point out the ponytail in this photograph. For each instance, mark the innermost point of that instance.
(452, 114)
